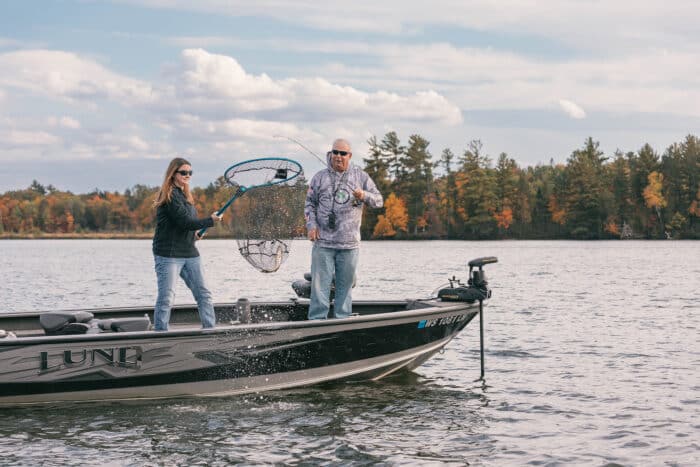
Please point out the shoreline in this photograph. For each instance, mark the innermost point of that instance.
(149, 236)
(79, 236)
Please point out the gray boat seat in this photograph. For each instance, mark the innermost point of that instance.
(125, 324)
(65, 322)
(302, 287)
(83, 322)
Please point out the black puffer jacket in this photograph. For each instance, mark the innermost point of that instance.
(176, 223)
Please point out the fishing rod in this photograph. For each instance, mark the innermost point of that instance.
(304, 147)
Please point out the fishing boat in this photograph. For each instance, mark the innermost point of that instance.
(113, 353)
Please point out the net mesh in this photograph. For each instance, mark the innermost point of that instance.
(264, 255)
(269, 216)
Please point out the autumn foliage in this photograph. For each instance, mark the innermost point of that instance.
(461, 195)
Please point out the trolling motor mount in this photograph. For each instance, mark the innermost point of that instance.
(477, 285)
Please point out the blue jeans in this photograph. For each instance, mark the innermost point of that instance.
(324, 263)
(190, 269)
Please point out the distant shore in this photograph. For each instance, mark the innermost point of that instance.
(149, 235)
(78, 236)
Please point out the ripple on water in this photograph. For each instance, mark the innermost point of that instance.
(591, 359)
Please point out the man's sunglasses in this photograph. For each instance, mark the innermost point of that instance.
(340, 153)
(184, 173)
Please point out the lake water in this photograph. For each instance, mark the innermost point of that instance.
(592, 358)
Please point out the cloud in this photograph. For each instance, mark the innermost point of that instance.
(217, 87)
(209, 77)
(620, 25)
(205, 101)
(64, 122)
(572, 109)
(65, 75)
(648, 80)
(14, 138)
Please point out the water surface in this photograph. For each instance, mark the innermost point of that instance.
(592, 359)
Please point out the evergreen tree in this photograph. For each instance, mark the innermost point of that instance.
(586, 191)
(644, 162)
(476, 193)
(506, 190)
(416, 179)
(392, 150)
(377, 167)
(620, 213)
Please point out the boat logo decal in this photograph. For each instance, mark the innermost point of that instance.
(426, 323)
(123, 357)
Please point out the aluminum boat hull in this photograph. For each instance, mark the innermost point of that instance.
(278, 349)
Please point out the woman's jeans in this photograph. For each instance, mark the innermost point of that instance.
(324, 262)
(190, 269)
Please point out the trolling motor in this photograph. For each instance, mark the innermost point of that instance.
(476, 289)
(477, 285)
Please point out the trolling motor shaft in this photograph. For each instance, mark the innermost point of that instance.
(476, 289)
(478, 279)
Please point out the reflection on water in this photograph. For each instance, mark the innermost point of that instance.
(592, 357)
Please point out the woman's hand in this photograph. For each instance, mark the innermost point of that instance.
(216, 217)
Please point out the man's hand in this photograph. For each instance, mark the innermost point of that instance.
(358, 193)
(216, 217)
(314, 235)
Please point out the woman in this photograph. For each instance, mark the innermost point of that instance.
(173, 245)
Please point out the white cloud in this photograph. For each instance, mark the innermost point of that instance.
(226, 130)
(65, 75)
(64, 122)
(216, 87)
(572, 109)
(137, 143)
(14, 138)
(646, 80)
(619, 25)
(211, 77)
(653, 81)
(210, 99)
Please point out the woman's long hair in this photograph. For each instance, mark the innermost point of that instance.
(165, 193)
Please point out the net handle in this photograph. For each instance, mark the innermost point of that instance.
(241, 190)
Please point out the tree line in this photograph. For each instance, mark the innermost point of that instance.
(593, 196)
(465, 195)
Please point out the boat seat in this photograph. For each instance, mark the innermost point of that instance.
(83, 322)
(65, 322)
(125, 324)
(302, 287)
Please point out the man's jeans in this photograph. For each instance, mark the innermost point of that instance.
(324, 261)
(190, 269)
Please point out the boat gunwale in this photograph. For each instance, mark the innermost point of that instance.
(242, 328)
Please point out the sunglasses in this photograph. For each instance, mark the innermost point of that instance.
(340, 153)
(184, 173)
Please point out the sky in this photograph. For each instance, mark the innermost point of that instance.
(102, 94)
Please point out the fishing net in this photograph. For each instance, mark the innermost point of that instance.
(264, 255)
(267, 218)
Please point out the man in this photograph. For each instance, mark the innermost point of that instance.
(333, 214)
